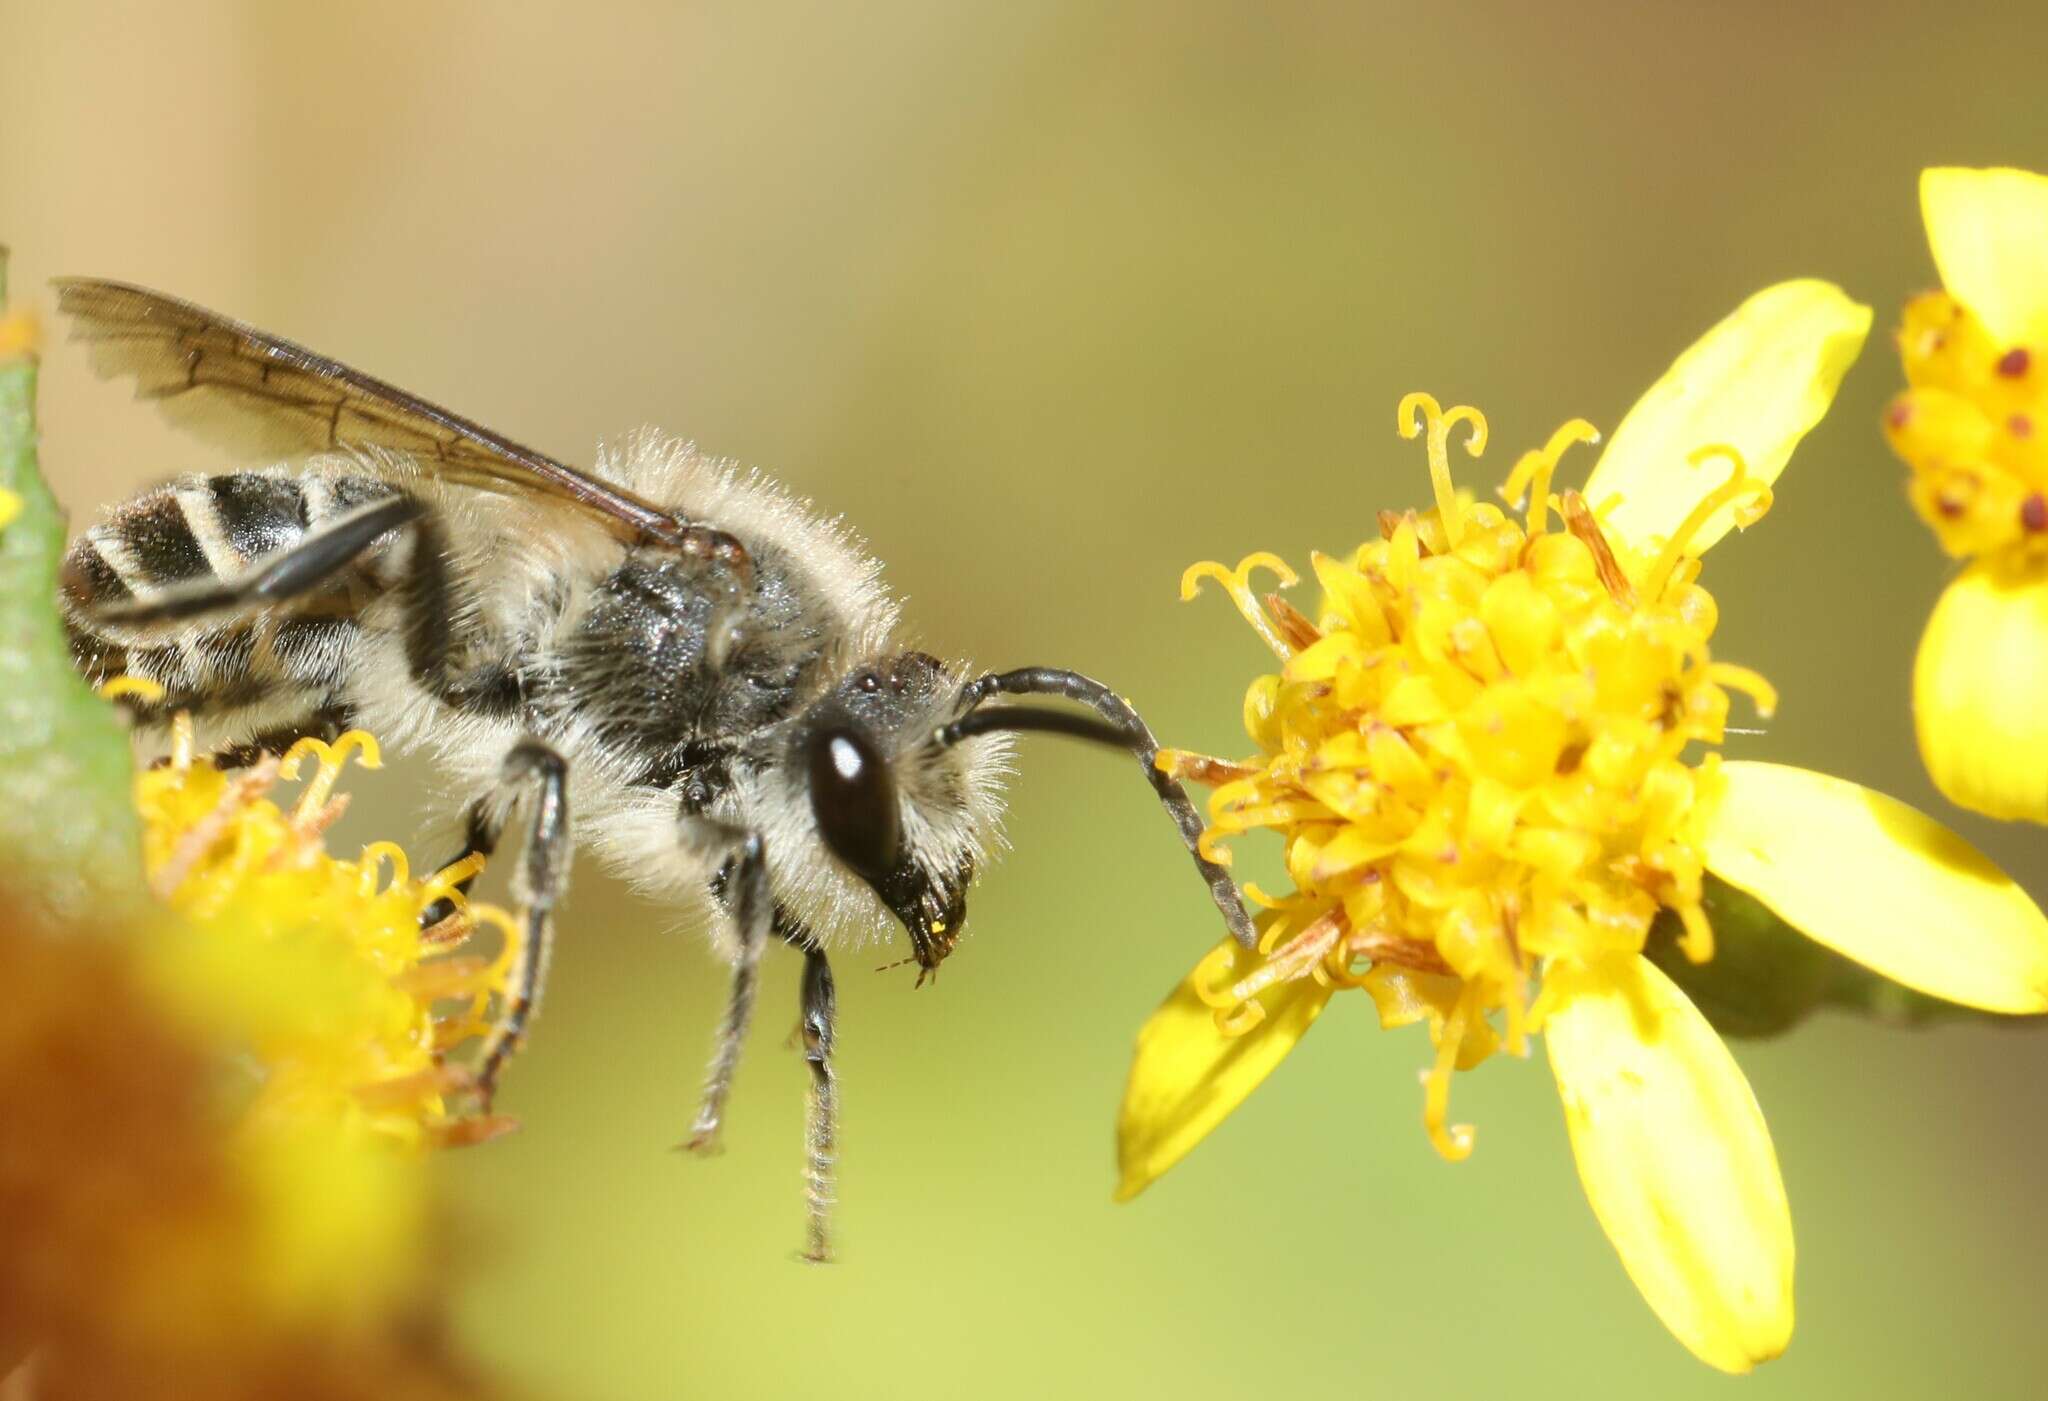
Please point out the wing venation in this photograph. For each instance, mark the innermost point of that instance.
(255, 393)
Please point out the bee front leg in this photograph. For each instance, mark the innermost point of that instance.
(537, 884)
(742, 888)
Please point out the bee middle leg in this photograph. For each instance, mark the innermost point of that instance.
(742, 887)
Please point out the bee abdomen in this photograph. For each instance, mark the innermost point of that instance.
(213, 527)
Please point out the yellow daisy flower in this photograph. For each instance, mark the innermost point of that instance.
(1974, 428)
(1491, 759)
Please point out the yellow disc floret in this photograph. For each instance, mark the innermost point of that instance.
(1482, 754)
(1974, 429)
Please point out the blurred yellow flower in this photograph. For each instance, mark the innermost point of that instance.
(1491, 759)
(297, 1021)
(317, 965)
(1974, 428)
(212, 1102)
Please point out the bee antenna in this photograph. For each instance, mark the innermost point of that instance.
(1118, 725)
(1024, 717)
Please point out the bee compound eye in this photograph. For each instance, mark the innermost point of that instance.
(853, 795)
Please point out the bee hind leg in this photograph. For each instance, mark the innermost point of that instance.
(328, 723)
(537, 884)
(276, 579)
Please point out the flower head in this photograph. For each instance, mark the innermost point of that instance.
(1973, 426)
(240, 1182)
(1491, 759)
(1477, 756)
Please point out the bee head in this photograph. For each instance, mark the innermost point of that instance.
(900, 764)
(906, 815)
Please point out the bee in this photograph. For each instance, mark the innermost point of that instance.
(706, 672)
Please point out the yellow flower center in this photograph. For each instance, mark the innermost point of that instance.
(1974, 429)
(1476, 754)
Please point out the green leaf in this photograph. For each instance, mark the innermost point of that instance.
(69, 839)
(1766, 977)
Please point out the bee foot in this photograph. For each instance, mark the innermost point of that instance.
(704, 1142)
(477, 1128)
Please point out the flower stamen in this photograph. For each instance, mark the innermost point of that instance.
(1697, 943)
(1301, 634)
(1739, 484)
(1453, 1141)
(1762, 694)
(1440, 423)
(1579, 520)
(129, 684)
(1536, 467)
(374, 857)
(333, 758)
(445, 883)
(1200, 768)
(1237, 583)
(450, 929)
(443, 977)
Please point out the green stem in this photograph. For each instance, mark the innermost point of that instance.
(69, 840)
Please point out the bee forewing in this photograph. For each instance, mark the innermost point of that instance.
(258, 395)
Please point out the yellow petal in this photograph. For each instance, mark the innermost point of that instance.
(1989, 233)
(1187, 1076)
(1978, 689)
(1757, 382)
(1888, 886)
(1675, 1158)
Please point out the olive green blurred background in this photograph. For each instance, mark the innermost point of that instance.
(1051, 300)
